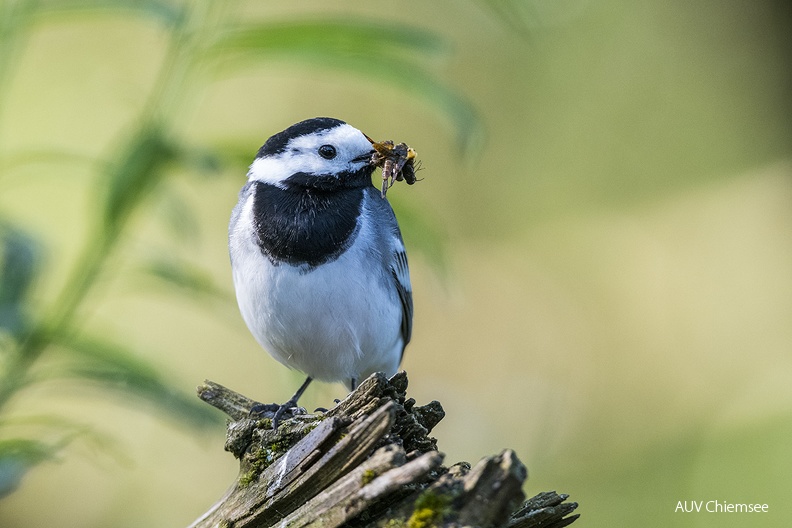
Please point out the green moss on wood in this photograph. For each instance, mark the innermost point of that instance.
(368, 476)
(430, 508)
(262, 455)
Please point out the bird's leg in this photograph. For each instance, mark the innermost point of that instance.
(291, 404)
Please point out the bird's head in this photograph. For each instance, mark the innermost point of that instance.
(322, 152)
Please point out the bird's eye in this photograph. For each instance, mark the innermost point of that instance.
(327, 151)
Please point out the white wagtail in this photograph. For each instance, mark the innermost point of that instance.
(318, 260)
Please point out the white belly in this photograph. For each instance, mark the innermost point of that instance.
(337, 322)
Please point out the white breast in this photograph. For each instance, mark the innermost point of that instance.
(337, 322)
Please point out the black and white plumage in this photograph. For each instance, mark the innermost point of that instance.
(318, 261)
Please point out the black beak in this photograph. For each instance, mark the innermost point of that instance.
(363, 157)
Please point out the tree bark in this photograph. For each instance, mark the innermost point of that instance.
(368, 461)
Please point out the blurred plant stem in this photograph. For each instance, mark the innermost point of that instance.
(132, 178)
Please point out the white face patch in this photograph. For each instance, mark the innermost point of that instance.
(302, 155)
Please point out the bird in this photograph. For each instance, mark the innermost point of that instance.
(318, 261)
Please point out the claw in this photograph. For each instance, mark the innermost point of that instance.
(280, 411)
(289, 407)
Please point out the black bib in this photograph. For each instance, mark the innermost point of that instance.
(303, 225)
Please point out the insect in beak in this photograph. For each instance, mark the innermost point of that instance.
(397, 162)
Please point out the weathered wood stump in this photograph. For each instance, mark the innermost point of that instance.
(368, 461)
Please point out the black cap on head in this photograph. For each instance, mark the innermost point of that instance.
(277, 143)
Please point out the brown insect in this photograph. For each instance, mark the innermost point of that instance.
(397, 162)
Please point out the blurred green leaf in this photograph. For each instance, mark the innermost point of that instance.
(136, 174)
(20, 259)
(186, 276)
(143, 166)
(20, 263)
(26, 449)
(17, 456)
(112, 366)
(170, 13)
(353, 37)
(372, 49)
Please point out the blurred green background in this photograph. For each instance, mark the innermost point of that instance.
(601, 245)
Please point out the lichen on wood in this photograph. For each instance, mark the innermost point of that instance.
(368, 461)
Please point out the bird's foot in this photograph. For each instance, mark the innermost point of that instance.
(287, 410)
(275, 412)
(264, 410)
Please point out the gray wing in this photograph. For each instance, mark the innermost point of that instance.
(396, 257)
(401, 273)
